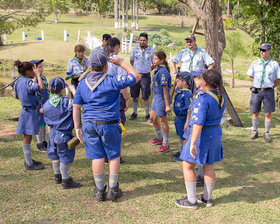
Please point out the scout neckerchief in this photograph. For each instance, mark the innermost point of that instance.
(55, 99)
(94, 80)
(143, 54)
(192, 56)
(46, 86)
(78, 60)
(209, 92)
(263, 71)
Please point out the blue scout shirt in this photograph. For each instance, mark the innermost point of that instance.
(98, 49)
(25, 90)
(193, 61)
(44, 94)
(205, 110)
(103, 104)
(161, 78)
(182, 102)
(75, 67)
(115, 69)
(143, 59)
(58, 112)
(264, 74)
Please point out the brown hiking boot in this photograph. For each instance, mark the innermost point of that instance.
(254, 135)
(267, 137)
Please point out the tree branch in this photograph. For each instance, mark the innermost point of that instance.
(196, 9)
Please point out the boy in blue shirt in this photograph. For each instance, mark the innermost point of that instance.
(58, 115)
(182, 102)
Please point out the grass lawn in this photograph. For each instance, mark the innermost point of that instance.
(247, 188)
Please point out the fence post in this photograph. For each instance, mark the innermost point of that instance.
(43, 34)
(65, 35)
(23, 36)
(78, 39)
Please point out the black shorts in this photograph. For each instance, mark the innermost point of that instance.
(145, 85)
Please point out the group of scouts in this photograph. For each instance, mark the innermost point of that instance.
(99, 86)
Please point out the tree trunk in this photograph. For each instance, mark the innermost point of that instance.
(228, 9)
(56, 18)
(1, 41)
(123, 16)
(126, 9)
(232, 74)
(116, 13)
(137, 27)
(132, 16)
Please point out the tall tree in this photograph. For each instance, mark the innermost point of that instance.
(58, 7)
(116, 13)
(211, 18)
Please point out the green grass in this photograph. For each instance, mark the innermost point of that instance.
(247, 188)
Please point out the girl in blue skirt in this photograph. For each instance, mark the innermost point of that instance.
(25, 91)
(204, 146)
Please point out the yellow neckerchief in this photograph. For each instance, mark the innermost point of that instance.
(210, 93)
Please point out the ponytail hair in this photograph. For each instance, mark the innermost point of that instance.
(214, 80)
(110, 45)
(23, 67)
(162, 56)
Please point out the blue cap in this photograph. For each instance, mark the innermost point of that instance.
(97, 59)
(36, 62)
(190, 37)
(197, 73)
(186, 75)
(265, 46)
(57, 83)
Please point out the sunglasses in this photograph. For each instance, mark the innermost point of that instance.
(189, 41)
(262, 50)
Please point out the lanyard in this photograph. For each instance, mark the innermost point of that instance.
(192, 56)
(83, 66)
(263, 71)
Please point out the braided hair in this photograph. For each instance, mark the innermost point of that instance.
(214, 80)
(23, 67)
(162, 56)
(110, 45)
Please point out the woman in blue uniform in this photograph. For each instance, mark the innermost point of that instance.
(204, 146)
(160, 104)
(43, 97)
(25, 91)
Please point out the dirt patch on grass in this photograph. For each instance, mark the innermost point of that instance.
(8, 132)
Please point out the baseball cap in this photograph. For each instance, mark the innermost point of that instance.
(190, 37)
(57, 83)
(106, 36)
(185, 75)
(35, 62)
(97, 59)
(265, 46)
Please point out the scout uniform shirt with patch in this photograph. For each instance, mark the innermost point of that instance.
(76, 67)
(25, 90)
(98, 49)
(43, 94)
(103, 103)
(143, 58)
(264, 74)
(182, 101)
(193, 61)
(161, 78)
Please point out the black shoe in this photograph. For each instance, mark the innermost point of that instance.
(36, 162)
(106, 160)
(185, 203)
(177, 159)
(122, 161)
(41, 147)
(176, 155)
(100, 193)
(148, 119)
(69, 183)
(45, 144)
(208, 203)
(133, 116)
(114, 193)
(57, 179)
(199, 181)
(34, 166)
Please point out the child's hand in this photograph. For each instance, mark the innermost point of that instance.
(36, 70)
(79, 134)
(167, 109)
(115, 60)
(89, 69)
(193, 151)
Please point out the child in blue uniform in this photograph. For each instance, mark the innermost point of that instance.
(182, 102)
(58, 115)
(77, 65)
(43, 97)
(160, 104)
(204, 146)
(99, 94)
(25, 91)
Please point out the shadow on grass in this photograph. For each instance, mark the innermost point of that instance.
(169, 28)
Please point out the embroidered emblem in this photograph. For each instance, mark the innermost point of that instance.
(30, 83)
(195, 110)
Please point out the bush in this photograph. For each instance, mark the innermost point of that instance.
(241, 76)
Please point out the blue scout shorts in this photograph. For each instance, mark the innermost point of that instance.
(57, 146)
(267, 96)
(158, 105)
(28, 121)
(179, 126)
(145, 85)
(102, 140)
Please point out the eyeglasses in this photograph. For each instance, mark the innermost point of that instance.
(189, 41)
(263, 50)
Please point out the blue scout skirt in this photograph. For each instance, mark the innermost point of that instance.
(28, 122)
(158, 105)
(209, 147)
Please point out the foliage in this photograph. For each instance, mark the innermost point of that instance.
(21, 13)
(58, 7)
(162, 38)
(102, 7)
(260, 19)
